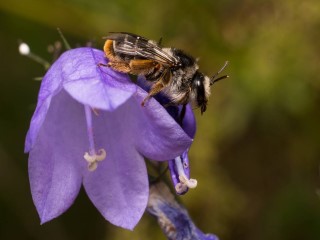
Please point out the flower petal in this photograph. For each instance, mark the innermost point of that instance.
(54, 169)
(189, 120)
(160, 136)
(119, 186)
(174, 173)
(97, 86)
(51, 84)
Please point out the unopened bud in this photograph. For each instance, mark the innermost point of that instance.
(24, 49)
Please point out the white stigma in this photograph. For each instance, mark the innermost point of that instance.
(24, 49)
(190, 183)
(185, 182)
(94, 159)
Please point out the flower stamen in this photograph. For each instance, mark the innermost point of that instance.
(185, 182)
(92, 157)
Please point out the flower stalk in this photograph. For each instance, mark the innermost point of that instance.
(24, 50)
(173, 218)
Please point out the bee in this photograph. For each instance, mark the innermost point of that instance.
(171, 71)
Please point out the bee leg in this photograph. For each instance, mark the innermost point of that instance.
(143, 66)
(156, 88)
(120, 66)
(102, 65)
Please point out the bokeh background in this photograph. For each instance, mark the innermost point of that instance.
(257, 150)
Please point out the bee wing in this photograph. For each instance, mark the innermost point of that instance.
(135, 45)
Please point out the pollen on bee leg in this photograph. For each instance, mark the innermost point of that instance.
(185, 182)
(92, 157)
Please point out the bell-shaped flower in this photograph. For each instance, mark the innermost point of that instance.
(90, 129)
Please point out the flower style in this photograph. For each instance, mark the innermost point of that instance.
(89, 128)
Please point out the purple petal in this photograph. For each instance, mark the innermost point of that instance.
(184, 158)
(97, 86)
(54, 168)
(160, 137)
(119, 186)
(51, 84)
(189, 121)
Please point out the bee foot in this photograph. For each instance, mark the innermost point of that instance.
(103, 65)
(144, 102)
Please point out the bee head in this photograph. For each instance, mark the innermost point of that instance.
(201, 90)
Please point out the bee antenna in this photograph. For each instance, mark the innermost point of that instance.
(213, 79)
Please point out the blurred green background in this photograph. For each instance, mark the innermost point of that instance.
(257, 150)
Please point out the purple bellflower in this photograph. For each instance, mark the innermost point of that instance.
(90, 129)
(179, 166)
(173, 219)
